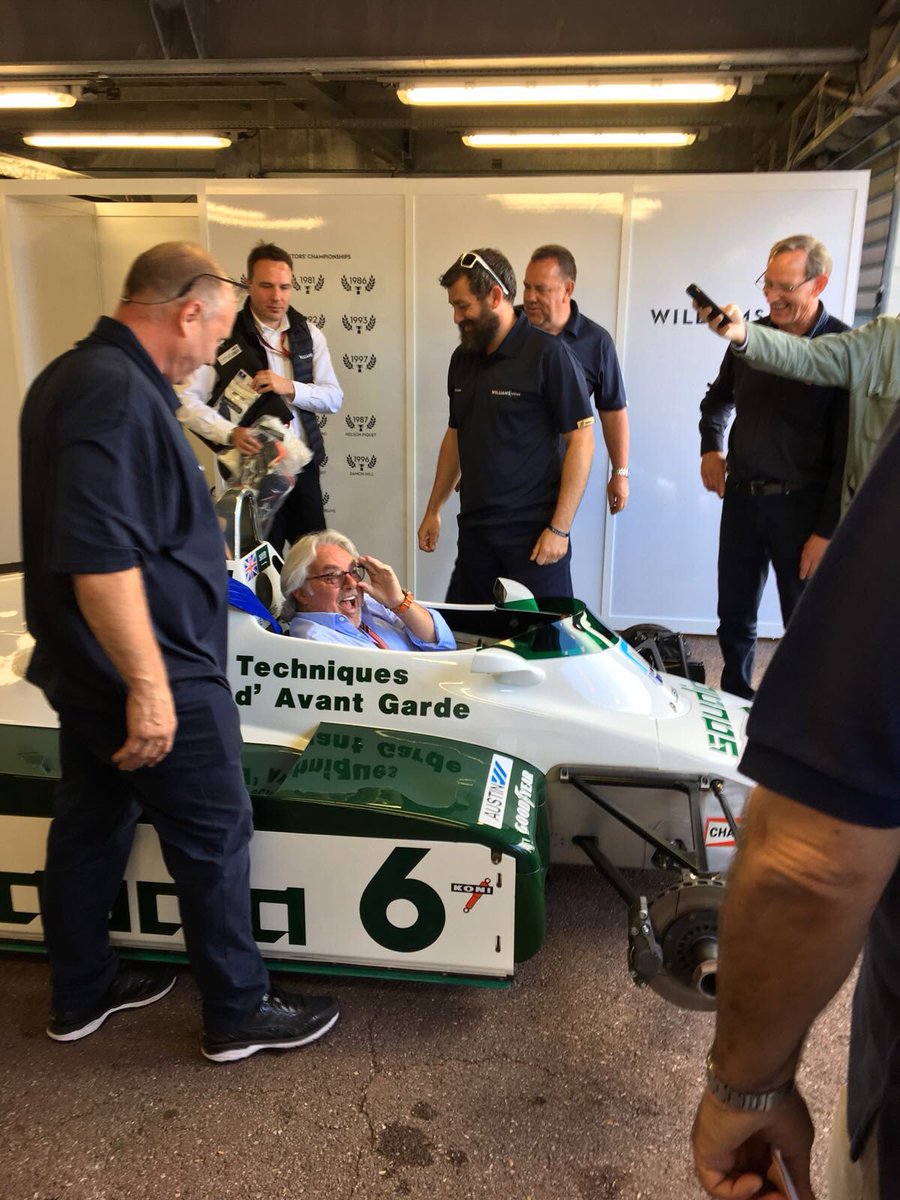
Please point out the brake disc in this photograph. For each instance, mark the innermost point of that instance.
(685, 921)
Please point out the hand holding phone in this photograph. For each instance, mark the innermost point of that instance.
(781, 1176)
(704, 301)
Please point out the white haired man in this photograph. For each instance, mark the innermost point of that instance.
(330, 599)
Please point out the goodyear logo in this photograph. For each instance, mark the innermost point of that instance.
(493, 801)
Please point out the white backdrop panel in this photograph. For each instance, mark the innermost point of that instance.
(449, 219)
(349, 272)
(715, 232)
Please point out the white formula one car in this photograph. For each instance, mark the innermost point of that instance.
(408, 805)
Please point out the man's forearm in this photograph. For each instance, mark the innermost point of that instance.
(324, 395)
(823, 360)
(799, 901)
(446, 473)
(615, 434)
(576, 468)
(115, 607)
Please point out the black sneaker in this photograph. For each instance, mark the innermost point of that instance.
(133, 987)
(282, 1022)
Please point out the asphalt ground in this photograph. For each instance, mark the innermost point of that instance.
(571, 1084)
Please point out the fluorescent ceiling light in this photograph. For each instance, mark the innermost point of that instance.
(126, 141)
(568, 139)
(620, 91)
(36, 97)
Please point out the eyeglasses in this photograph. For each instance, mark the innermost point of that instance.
(239, 289)
(336, 578)
(768, 285)
(470, 259)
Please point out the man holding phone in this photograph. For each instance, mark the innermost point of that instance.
(780, 481)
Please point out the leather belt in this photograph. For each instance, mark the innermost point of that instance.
(766, 487)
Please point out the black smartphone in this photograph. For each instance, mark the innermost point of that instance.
(704, 301)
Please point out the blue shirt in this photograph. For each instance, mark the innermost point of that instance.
(109, 483)
(335, 627)
(825, 731)
(595, 350)
(510, 409)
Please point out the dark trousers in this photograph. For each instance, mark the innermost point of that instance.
(197, 803)
(302, 512)
(756, 531)
(484, 554)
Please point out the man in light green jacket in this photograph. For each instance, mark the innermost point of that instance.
(864, 360)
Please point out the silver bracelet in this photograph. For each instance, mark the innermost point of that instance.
(623, 471)
(744, 1101)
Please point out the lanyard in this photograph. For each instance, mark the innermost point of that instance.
(284, 351)
(376, 638)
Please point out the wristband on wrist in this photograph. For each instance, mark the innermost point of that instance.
(623, 471)
(404, 604)
(744, 1101)
(558, 532)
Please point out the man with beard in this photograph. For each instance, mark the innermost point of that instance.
(519, 442)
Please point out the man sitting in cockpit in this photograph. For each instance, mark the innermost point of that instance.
(336, 595)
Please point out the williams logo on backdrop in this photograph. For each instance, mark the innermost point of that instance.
(359, 362)
(362, 464)
(359, 323)
(677, 315)
(360, 426)
(357, 283)
(309, 283)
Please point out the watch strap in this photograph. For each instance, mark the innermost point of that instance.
(744, 1101)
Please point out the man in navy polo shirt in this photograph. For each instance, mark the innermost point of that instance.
(519, 442)
(548, 305)
(125, 591)
(817, 877)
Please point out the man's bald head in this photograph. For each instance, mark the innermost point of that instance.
(171, 271)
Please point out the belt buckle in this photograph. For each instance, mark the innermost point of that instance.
(757, 487)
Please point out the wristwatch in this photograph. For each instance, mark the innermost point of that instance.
(744, 1101)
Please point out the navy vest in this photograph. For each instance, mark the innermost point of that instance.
(253, 358)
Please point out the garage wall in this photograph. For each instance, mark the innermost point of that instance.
(367, 256)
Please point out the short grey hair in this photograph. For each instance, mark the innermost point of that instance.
(818, 260)
(565, 259)
(160, 273)
(300, 558)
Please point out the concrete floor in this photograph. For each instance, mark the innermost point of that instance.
(572, 1084)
